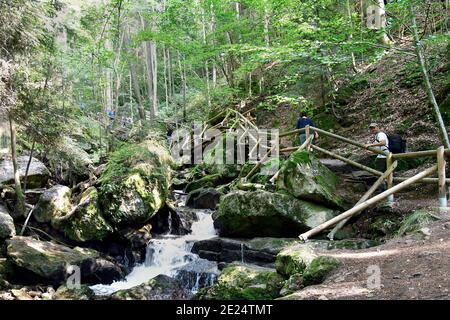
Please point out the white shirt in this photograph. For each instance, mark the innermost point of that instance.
(378, 138)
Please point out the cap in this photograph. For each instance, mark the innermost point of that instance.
(373, 125)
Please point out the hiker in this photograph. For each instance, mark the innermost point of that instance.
(381, 142)
(302, 122)
(169, 135)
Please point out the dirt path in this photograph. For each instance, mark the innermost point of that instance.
(413, 267)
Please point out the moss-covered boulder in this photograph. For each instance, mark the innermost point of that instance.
(38, 173)
(240, 282)
(305, 177)
(6, 271)
(216, 155)
(53, 203)
(293, 284)
(7, 228)
(161, 287)
(46, 259)
(319, 269)
(265, 214)
(135, 183)
(208, 181)
(86, 222)
(207, 198)
(81, 293)
(294, 259)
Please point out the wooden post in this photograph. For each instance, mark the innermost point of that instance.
(390, 177)
(441, 175)
(365, 197)
(307, 137)
(356, 209)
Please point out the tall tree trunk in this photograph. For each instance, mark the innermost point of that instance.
(20, 204)
(349, 13)
(205, 43)
(266, 27)
(429, 88)
(183, 84)
(166, 82)
(134, 77)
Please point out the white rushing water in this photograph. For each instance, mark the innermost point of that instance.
(168, 255)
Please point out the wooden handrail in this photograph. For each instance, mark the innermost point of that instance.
(350, 162)
(356, 209)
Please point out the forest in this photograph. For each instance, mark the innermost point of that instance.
(223, 150)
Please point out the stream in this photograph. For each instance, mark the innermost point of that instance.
(171, 255)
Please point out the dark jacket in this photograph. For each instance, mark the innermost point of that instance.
(303, 122)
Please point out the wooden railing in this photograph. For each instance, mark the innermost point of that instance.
(388, 176)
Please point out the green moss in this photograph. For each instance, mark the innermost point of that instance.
(294, 259)
(319, 269)
(135, 183)
(265, 214)
(81, 293)
(205, 182)
(245, 283)
(305, 177)
(87, 223)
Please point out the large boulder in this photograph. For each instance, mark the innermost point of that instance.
(259, 251)
(54, 203)
(242, 282)
(81, 293)
(207, 198)
(161, 287)
(50, 261)
(135, 184)
(297, 257)
(86, 222)
(319, 269)
(38, 173)
(265, 214)
(7, 229)
(305, 177)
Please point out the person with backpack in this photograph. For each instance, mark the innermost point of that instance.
(381, 142)
(302, 122)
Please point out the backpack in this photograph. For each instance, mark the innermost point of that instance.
(396, 143)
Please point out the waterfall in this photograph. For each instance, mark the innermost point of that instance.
(171, 255)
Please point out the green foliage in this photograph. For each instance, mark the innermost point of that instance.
(414, 221)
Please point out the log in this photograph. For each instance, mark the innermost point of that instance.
(352, 142)
(365, 197)
(441, 177)
(419, 154)
(426, 180)
(350, 162)
(290, 133)
(358, 208)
